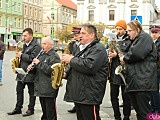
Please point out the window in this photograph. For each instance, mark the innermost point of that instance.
(91, 1)
(111, 0)
(0, 3)
(7, 4)
(133, 0)
(0, 20)
(19, 7)
(133, 12)
(35, 12)
(30, 12)
(25, 10)
(91, 15)
(19, 23)
(111, 15)
(15, 6)
(15, 22)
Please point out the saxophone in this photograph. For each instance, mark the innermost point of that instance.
(15, 61)
(121, 67)
(58, 69)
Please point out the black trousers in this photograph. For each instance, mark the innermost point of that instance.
(48, 105)
(114, 93)
(87, 112)
(20, 95)
(140, 101)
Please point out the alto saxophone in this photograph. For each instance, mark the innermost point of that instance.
(15, 61)
(58, 69)
(121, 67)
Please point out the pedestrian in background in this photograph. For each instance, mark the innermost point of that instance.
(30, 50)
(2, 51)
(88, 73)
(116, 81)
(141, 69)
(155, 97)
(43, 86)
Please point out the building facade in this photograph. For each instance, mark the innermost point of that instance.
(33, 17)
(64, 12)
(110, 11)
(11, 19)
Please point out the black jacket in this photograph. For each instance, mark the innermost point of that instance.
(158, 56)
(124, 46)
(43, 86)
(28, 54)
(141, 64)
(89, 74)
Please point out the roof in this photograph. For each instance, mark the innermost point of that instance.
(68, 3)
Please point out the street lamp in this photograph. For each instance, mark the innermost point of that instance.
(52, 16)
(6, 29)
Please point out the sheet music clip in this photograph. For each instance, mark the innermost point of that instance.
(20, 71)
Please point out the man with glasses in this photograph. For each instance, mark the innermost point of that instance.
(155, 98)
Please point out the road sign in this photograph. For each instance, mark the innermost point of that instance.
(135, 17)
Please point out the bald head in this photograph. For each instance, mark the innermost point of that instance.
(47, 43)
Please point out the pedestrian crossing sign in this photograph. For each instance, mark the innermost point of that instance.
(135, 17)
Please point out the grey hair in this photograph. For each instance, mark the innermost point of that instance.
(48, 38)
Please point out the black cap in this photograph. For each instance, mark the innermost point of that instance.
(155, 28)
(76, 30)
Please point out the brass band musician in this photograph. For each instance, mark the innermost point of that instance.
(30, 50)
(115, 80)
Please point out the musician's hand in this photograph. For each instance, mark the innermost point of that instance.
(121, 59)
(30, 67)
(35, 61)
(64, 75)
(66, 58)
(18, 54)
(112, 54)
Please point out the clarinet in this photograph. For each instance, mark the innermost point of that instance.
(32, 66)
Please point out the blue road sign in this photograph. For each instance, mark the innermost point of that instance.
(135, 17)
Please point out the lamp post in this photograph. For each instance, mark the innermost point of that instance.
(6, 27)
(52, 16)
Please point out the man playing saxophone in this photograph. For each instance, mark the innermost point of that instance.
(115, 80)
(43, 87)
(73, 48)
(30, 50)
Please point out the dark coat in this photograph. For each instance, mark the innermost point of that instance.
(28, 54)
(124, 46)
(68, 93)
(2, 50)
(158, 56)
(89, 74)
(141, 64)
(43, 86)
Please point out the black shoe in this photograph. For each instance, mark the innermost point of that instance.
(73, 110)
(15, 112)
(118, 119)
(28, 113)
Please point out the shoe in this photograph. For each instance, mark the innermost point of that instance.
(117, 119)
(73, 110)
(15, 112)
(28, 113)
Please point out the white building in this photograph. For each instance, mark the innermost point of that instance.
(110, 11)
